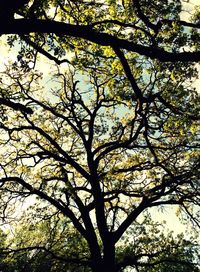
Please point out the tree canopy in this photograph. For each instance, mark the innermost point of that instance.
(110, 133)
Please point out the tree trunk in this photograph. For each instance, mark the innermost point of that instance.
(104, 266)
(107, 262)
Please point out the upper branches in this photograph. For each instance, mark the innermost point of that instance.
(24, 26)
(126, 25)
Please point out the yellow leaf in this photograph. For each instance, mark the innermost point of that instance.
(172, 76)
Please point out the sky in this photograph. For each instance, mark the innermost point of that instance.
(9, 54)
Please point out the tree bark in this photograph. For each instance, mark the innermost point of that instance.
(107, 262)
(25, 26)
(105, 266)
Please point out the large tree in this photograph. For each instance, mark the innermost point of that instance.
(114, 133)
(100, 159)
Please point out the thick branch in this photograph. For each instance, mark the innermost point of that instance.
(15, 106)
(129, 220)
(128, 73)
(25, 26)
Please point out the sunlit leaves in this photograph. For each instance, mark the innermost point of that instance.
(105, 138)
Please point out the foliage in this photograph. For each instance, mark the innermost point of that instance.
(110, 133)
(53, 240)
(42, 246)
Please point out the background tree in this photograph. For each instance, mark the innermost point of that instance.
(52, 242)
(118, 134)
(54, 239)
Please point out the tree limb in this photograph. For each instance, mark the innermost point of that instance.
(25, 26)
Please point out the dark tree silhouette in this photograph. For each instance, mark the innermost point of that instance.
(9, 8)
(103, 153)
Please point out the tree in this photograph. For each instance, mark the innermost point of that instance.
(172, 253)
(97, 167)
(52, 241)
(104, 152)
(54, 238)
